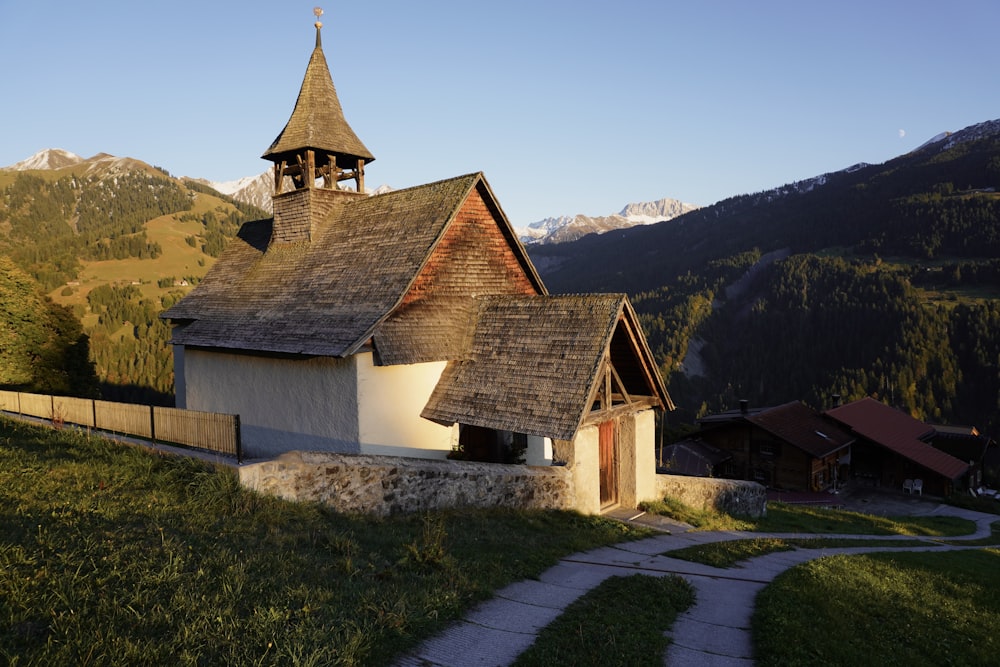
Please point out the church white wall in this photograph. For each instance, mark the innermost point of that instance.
(390, 400)
(539, 451)
(646, 485)
(587, 470)
(180, 386)
(283, 403)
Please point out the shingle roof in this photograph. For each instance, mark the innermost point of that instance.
(533, 364)
(693, 457)
(899, 432)
(317, 121)
(801, 426)
(325, 297)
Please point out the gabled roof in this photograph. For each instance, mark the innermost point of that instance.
(535, 362)
(317, 121)
(326, 297)
(899, 432)
(531, 365)
(801, 426)
(693, 457)
(794, 423)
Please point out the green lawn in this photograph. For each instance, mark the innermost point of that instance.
(621, 622)
(112, 556)
(731, 552)
(917, 608)
(784, 518)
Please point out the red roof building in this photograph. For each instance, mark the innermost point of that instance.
(892, 447)
(789, 446)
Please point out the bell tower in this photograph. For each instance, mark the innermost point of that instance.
(315, 152)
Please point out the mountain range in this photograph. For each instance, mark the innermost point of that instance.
(256, 191)
(877, 279)
(565, 228)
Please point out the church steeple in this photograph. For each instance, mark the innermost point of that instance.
(317, 142)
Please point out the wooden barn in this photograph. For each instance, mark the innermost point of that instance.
(410, 323)
(790, 447)
(893, 450)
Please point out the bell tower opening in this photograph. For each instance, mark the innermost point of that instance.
(317, 149)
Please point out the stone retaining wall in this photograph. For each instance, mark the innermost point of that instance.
(724, 495)
(383, 485)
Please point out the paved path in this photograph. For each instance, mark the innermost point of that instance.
(715, 631)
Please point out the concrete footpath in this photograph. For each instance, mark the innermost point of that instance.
(714, 631)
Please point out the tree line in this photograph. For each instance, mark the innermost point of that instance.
(824, 326)
(52, 224)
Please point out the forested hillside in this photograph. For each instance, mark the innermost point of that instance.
(877, 280)
(42, 346)
(115, 241)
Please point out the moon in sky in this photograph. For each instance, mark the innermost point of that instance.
(902, 133)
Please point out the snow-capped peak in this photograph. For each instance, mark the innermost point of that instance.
(232, 187)
(570, 227)
(49, 158)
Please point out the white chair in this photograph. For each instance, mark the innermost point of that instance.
(918, 486)
(907, 486)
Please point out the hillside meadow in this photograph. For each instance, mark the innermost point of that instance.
(110, 555)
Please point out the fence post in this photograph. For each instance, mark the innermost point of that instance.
(239, 441)
(152, 424)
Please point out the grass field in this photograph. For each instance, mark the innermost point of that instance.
(621, 622)
(924, 609)
(110, 555)
(177, 261)
(784, 518)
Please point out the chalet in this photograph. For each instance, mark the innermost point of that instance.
(790, 447)
(966, 443)
(894, 448)
(410, 323)
(693, 457)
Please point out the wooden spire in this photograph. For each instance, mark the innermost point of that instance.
(317, 142)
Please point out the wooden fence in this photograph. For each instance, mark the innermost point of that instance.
(190, 428)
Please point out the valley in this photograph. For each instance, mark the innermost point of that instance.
(876, 280)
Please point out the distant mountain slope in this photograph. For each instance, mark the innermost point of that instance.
(568, 228)
(116, 240)
(253, 190)
(905, 253)
(50, 158)
(875, 208)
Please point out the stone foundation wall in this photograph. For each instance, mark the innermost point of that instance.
(383, 485)
(724, 495)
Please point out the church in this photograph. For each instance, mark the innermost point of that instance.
(410, 323)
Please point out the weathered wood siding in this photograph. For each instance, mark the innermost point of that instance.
(73, 410)
(212, 431)
(9, 401)
(207, 430)
(123, 418)
(36, 405)
(472, 258)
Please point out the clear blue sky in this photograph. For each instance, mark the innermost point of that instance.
(568, 106)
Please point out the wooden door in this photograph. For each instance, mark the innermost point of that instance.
(608, 463)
